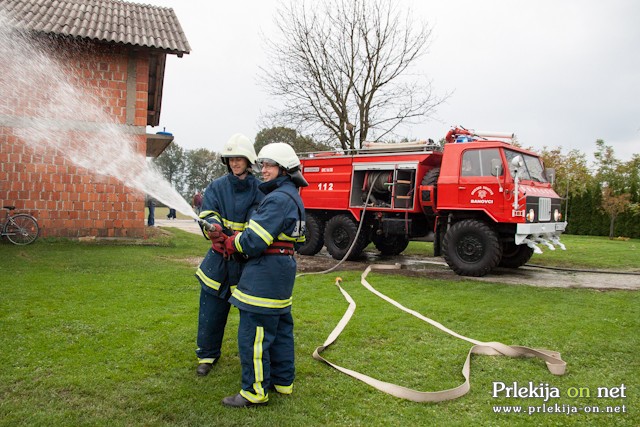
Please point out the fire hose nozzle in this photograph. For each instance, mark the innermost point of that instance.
(204, 224)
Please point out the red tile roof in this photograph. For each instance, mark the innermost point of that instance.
(109, 21)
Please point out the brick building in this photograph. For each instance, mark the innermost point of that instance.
(110, 55)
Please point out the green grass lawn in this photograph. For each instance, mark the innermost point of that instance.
(104, 334)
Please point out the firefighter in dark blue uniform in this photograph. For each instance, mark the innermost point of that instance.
(264, 292)
(227, 204)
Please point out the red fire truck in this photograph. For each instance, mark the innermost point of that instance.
(485, 202)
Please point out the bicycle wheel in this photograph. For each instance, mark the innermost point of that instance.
(21, 229)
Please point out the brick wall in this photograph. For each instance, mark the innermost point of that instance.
(68, 200)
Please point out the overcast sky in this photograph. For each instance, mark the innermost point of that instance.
(557, 73)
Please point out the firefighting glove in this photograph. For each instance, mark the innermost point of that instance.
(216, 234)
(217, 238)
(219, 247)
(230, 245)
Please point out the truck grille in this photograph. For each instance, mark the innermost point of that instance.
(544, 209)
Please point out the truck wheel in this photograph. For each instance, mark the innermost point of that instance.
(390, 245)
(471, 248)
(339, 233)
(314, 239)
(514, 256)
(431, 177)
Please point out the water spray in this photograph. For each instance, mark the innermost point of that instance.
(69, 119)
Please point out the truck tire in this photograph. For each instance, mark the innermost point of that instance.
(471, 248)
(340, 233)
(514, 256)
(314, 236)
(431, 177)
(391, 245)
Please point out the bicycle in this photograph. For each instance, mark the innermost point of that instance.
(19, 229)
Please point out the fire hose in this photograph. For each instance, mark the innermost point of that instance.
(355, 239)
(554, 362)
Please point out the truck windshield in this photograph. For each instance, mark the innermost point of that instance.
(533, 169)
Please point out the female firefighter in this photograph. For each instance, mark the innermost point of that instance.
(227, 204)
(263, 295)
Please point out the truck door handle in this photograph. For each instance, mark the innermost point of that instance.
(462, 188)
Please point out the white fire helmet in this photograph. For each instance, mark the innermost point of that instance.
(285, 156)
(239, 146)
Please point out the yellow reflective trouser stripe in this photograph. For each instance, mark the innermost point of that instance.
(259, 395)
(262, 302)
(207, 281)
(257, 361)
(284, 389)
(264, 234)
(207, 360)
(252, 397)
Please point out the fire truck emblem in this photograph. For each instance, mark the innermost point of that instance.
(479, 195)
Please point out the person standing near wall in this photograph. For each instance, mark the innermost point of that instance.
(227, 203)
(151, 204)
(264, 292)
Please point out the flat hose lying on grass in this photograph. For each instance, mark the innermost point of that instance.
(554, 362)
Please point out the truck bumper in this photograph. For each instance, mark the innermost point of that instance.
(547, 233)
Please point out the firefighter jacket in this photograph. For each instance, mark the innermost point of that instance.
(266, 284)
(229, 202)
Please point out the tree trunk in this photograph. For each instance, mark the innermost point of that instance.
(611, 226)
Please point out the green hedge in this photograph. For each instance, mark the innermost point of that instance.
(586, 218)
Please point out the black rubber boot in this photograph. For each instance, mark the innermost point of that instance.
(203, 369)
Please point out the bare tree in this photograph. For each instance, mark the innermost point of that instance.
(341, 69)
